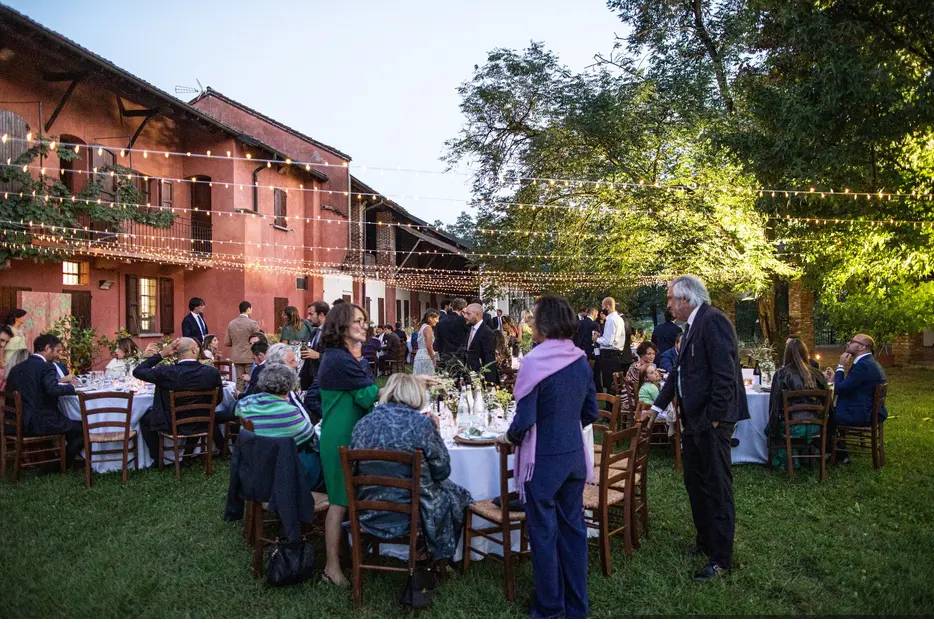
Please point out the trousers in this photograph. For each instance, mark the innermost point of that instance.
(709, 483)
(554, 513)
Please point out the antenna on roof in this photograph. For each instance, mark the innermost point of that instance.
(181, 89)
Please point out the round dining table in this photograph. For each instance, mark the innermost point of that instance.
(142, 402)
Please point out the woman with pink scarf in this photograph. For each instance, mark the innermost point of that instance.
(556, 398)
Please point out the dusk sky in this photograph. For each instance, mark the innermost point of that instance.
(374, 79)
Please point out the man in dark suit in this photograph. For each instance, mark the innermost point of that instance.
(259, 359)
(393, 347)
(311, 353)
(193, 324)
(187, 374)
(481, 344)
(708, 382)
(451, 334)
(37, 381)
(854, 385)
(664, 334)
(586, 325)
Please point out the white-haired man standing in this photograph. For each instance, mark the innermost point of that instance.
(708, 383)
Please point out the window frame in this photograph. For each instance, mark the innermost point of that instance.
(152, 321)
(280, 209)
(82, 273)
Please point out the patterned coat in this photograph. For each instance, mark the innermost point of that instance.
(393, 426)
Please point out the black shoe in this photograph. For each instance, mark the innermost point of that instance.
(711, 571)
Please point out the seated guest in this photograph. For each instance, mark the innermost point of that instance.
(629, 392)
(284, 354)
(371, 346)
(259, 359)
(209, 349)
(124, 360)
(796, 373)
(274, 416)
(399, 331)
(648, 384)
(666, 361)
(397, 423)
(855, 382)
(188, 374)
(393, 347)
(37, 381)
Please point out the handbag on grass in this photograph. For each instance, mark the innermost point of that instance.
(290, 563)
(419, 589)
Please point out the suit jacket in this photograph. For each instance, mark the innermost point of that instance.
(855, 392)
(37, 382)
(185, 376)
(394, 350)
(666, 360)
(451, 334)
(309, 369)
(584, 340)
(482, 351)
(254, 378)
(190, 327)
(239, 331)
(664, 336)
(711, 379)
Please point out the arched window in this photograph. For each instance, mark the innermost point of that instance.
(74, 172)
(16, 129)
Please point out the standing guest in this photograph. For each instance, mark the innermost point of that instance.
(393, 347)
(485, 316)
(854, 384)
(496, 322)
(629, 392)
(124, 359)
(586, 327)
(555, 397)
(665, 334)
(347, 391)
(311, 351)
(15, 321)
(397, 423)
(209, 349)
(193, 324)
(6, 334)
(425, 357)
(451, 334)
(39, 385)
(239, 331)
(667, 359)
(511, 329)
(795, 374)
(294, 329)
(709, 384)
(614, 345)
(481, 345)
(337, 302)
(400, 333)
(187, 374)
(258, 350)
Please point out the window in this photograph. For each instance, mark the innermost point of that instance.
(74, 172)
(104, 161)
(75, 273)
(280, 208)
(148, 299)
(166, 194)
(301, 283)
(17, 129)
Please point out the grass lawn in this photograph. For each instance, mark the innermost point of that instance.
(860, 543)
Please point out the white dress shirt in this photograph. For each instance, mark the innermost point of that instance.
(614, 333)
(842, 369)
(473, 332)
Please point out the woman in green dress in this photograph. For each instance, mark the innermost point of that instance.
(348, 392)
(294, 328)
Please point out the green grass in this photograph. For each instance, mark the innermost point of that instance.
(860, 543)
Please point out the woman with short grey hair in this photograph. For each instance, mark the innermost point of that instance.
(396, 423)
(276, 379)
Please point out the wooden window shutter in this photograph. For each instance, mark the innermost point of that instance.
(166, 305)
(132, 304)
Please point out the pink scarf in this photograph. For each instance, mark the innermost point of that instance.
(542, 361)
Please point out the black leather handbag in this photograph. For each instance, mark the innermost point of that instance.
(290, 563)
(419, 589)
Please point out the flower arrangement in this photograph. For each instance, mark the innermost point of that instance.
(761, 352)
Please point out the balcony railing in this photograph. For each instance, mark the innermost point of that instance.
(184, 240)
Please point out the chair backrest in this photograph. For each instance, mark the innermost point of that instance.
(611, 413)
(813, 403)
(878, 399)
(353, 480)
(185, 407)
(619, 454)
(124, 413)
(645, 421)
(506, 473)
(13, 416)
(618, 383)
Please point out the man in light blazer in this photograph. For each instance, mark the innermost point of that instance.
(238, 335)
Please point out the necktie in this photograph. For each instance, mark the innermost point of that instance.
(201, 326)
(687, 328)
(473, 332)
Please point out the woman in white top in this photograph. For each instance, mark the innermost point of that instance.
(15, 320)
(425, 357)
(126, 354)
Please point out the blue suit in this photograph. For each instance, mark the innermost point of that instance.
(666, 361)
(855, 392)
(559, 405)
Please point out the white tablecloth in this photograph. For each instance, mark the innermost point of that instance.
(753, 444)
(142, 401)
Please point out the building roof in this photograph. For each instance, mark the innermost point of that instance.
(35, 31)
(217, 94)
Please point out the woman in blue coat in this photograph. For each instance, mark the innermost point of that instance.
(556, 398)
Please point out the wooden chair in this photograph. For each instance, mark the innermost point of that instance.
(612, 497)
(121, 419)
(226, 368)
(626, 411)
(640, 498)
(505, 522)
(866, 439)
(181, 404)
(610, 409)
(659, 434)
(816, 413)
(388, 367)
(353, 480)
(27, 451)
